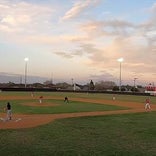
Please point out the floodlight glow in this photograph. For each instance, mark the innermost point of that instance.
(26, 59)
(120, 59)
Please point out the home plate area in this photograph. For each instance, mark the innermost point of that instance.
(13, 120)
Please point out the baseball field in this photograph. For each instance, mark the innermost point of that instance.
(89, 125)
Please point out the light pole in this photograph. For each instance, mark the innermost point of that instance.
(26, 64)
(73, 84)
(51, 78)
(134, 83)
(72, 80)
(120, 60)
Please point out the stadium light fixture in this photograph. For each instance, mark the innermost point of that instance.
(135, 82)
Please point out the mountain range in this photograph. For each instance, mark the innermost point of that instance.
(16, 78)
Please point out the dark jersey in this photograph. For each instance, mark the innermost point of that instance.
(8, 106)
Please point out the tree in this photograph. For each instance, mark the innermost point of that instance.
(115, 88)
(63, 85)
(37, 85)
(134, 89)
(48, 82)
(104, 85)
(91, 85)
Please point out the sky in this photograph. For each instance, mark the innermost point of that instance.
(79, 39)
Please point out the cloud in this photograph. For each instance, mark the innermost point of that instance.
(153, 8)
(84, 50)
(148, 26)
(96, 43)
(125, 39)
(78, 8)
(108, 28)
(105, 75)
(64, 54)
(19, 20)
(115, 38)
(50, 39)
(19, 16)
(75, 52)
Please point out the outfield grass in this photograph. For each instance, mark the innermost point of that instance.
(113, 135)
(71, 107)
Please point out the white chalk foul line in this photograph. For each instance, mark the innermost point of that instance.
(3, 119)
(18, 119)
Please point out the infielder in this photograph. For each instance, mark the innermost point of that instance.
(40, 99)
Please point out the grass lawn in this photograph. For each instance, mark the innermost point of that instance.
(113, 135)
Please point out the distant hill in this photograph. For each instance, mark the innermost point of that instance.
(16, 78)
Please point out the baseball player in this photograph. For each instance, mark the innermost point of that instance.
(9, 112)
(147, 104)
(66, 99)
(113, 97)
(40, 99)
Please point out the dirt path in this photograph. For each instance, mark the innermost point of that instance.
(28, 121)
